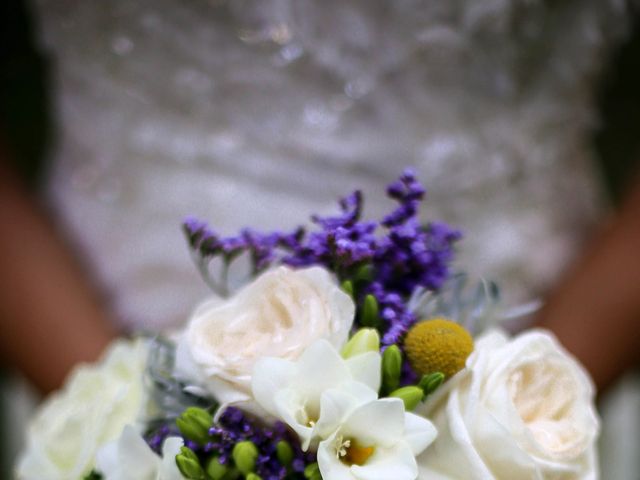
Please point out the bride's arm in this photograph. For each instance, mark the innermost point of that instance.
(49, 317)
(596, 310)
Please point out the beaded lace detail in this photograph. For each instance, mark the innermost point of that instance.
(259, 112)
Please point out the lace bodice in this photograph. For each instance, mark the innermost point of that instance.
(258, 112)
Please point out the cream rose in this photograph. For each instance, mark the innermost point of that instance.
(522, 409)
(278, 315)
(92, 409)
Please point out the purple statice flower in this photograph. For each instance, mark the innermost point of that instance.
(232, 427)
(351, 207)
(338, 248)
(261, 247)
(400, 252)
(198, 233)
(235, 426)
(409, 193)
(342, 241)
(156, 437)
(413, 255)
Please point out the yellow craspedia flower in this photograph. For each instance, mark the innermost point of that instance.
(438, 345)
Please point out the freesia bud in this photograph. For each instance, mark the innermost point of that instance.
(284, 453)
(364, 273)
(369, 316)
(194, 424)
(365, 340)
(411, 396)
(187, 452)
(430, 382)
(216, 470)
(312, 472)
(245, 455)
(391, 368)
(189, 465)
(347, 287)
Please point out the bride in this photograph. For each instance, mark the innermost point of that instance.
(258, 112)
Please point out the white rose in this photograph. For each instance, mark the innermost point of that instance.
(522, 409)
(278, 315)
(92, 409)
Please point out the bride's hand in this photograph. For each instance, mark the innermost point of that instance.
(595, 312)
(49, 318)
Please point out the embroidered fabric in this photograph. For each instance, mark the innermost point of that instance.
(259, 112)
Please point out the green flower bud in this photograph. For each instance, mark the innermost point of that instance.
(253, 476)
(365, 340)
(93, 475)
(189, 465)
(284, 453)
(369, 314)
(187, 452)
(194, 424)
(216, 470)
(233, 474)
(347, 287)
(430, 382)
(391, 368)
(411, 396)
(312, 471)
(245, 455)
(364, 273)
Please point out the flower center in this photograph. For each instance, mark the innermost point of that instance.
(350, 453)
(306, 415)
(544, 395)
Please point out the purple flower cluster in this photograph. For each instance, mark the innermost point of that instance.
(156, 437)
(399, 253)
(409, 193)
(409, 256)
(341, 243)
(262, 247)
(235, 426)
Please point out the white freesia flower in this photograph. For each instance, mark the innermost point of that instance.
(295, 392)
(130, 458)
(377, 440)
(522, 409)
(278, 315)
(92, 409)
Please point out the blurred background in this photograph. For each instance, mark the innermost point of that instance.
(119, 119)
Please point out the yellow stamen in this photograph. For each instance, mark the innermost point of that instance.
(357, 455)
(305, 417)
(341, 447)
(349, 452)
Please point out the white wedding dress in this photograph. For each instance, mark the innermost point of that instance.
(260, 112)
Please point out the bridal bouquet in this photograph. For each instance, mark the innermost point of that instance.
(350, 351)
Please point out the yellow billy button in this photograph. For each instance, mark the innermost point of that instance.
(438, 345)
